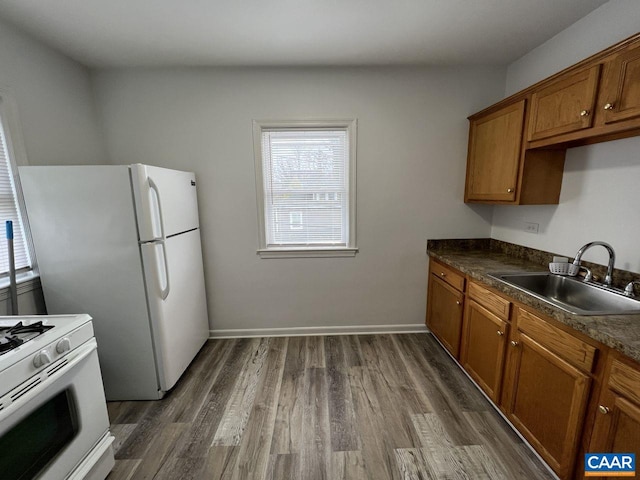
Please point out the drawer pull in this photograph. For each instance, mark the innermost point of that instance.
(603, 410)
(442, 274)
(584, 113)
(609, 106)
(500, 333)
(514, 343)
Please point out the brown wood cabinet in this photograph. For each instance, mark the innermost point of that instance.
(547, 389)
(617, 424)
(495, 142)
(565, 393)
(445, 303)
(501, 171)
(485, 331)
(595, 100)
(620, 98)
(565, 105)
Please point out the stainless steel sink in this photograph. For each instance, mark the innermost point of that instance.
(570, 294)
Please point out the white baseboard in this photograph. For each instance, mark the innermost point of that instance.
(311, 331)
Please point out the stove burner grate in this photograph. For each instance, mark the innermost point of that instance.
(14, 336)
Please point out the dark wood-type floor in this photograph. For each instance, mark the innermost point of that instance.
(336, 407)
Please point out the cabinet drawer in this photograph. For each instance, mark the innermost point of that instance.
(447, 274)
(625, 380)
(578, 353)
(489, 300)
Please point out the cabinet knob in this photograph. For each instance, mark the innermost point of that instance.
(458, 302)
(514, 343)
(500, 333)
(603, 410)
(509, 190)
(584, 113)
(442, 274)
(608, 106)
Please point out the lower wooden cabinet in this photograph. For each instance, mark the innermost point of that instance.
(444, 313)
(545, 399)
(484, 342)
(545, 378)
(617, 423)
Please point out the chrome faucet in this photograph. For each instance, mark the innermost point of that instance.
(612, 259)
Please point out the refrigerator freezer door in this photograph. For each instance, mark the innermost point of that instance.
(166, 202)
(179, 322)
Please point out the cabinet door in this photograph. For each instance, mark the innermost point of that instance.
(444, 313)
(564, 106)
(617, 423)
(546, 401)
(621, 89)
(493, 163)
(483, 345)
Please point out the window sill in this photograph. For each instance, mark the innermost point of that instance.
(307, 252)
(26, 282)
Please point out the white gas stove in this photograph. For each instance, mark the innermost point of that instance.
(53, 417)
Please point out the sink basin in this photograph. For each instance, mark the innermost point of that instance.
(570, 294)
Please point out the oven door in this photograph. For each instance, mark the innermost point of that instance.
(55, 418)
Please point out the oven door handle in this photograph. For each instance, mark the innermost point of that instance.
(73, 359)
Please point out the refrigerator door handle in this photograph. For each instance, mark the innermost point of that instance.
(154, 187)
(164, 292)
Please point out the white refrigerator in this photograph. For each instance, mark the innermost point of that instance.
(122, 243)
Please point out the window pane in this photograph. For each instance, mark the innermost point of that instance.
(9, 210)
(305, 176)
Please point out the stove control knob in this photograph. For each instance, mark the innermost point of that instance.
(63, 345)
(41, 358)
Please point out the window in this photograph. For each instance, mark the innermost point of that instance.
(306, 188)
(10, 207)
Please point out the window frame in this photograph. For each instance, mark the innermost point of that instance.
(17, 156)
(265, 251)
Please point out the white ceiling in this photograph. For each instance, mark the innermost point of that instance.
(110, 33)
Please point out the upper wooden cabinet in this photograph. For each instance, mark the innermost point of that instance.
(620, 98)
(500, 170)
(565, 105)
(593, 101)
(495, 144)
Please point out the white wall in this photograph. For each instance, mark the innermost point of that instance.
(599, 199)
(51, 103)
(412, 139)
(612, 22)
(54, 101)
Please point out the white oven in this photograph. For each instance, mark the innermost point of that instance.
(53, 417)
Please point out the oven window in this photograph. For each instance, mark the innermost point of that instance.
(30, 445)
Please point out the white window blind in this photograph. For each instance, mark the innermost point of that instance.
(10, 210)
(306, 187)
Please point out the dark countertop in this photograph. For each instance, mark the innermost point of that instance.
(620, 332)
